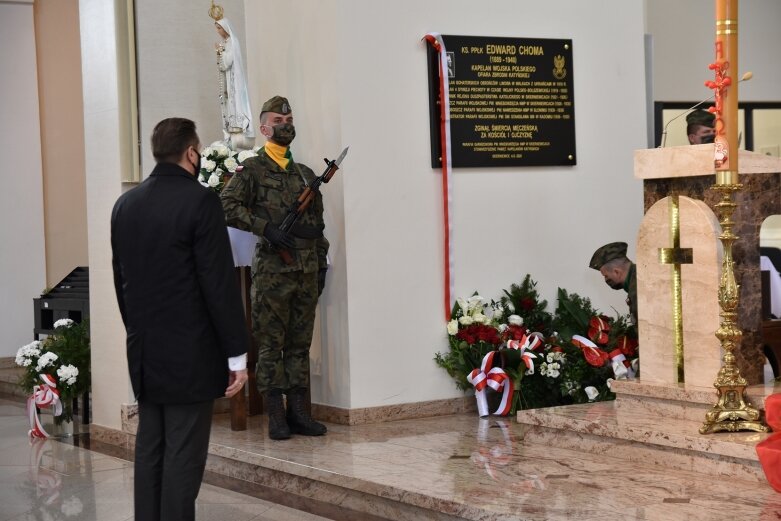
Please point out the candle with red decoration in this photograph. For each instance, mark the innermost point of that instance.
(725, 87)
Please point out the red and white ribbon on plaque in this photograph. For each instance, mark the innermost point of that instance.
(622, 368)
(496, 379)
(44, 395)
(593, 355)
(436, 41)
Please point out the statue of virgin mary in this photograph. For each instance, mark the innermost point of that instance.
(234, 98)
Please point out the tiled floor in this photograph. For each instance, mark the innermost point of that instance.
(460, 466)
(487, 470)
(47, 480)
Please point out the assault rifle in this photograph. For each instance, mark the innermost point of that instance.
(306, 197)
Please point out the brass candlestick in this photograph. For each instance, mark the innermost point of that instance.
(731, 413)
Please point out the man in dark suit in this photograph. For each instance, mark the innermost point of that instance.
(180, 302)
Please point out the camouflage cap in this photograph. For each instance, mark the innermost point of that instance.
(700, 117)
(276, 104)
(607, 253)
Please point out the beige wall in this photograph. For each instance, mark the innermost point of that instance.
(22, 249)
(355, 74)
(62, 136)
(177, 67)
(683, 35)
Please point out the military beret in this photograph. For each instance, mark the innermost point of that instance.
(607, 253)
(276, 104)
(700, 117)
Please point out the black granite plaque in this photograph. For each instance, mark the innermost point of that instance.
(511, 102)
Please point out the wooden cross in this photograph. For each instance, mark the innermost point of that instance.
(676, 256)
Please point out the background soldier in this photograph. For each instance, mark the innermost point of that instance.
(619, 272)
(699, 127)
(284, 296)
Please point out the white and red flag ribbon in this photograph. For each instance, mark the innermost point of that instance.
(593, 355)
(44, 395)
(436, 41)
(526, 345)
(496, 379)
(622, 368)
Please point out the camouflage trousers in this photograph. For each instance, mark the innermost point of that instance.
(283, 315)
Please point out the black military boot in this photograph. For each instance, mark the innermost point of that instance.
(277, 425)
(297, 416)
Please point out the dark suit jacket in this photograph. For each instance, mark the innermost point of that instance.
(176, 288)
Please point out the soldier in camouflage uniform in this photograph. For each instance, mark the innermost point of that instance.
(284, 296)
(619, 272)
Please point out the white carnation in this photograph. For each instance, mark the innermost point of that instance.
(26, 353)
(480, 318)
(245, 154)
(466, 321)
(452, 327)
(63, 322)
(214, 180)
(206, 152)
(515, 320)
(45, 360)
(231, 164)
(221, 150)
(68, 374)
(208, 164)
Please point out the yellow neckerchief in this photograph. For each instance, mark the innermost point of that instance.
(281, 155)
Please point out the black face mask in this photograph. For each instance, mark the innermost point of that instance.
(197, 165)
(283, 134)
(708, 139)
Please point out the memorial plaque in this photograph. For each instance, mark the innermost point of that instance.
(511, 102)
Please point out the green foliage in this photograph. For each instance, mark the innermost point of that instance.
(524, 300)
(67, 348)
(560, 374)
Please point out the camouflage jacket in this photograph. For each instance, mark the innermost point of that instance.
(630, 285)
(261, 194)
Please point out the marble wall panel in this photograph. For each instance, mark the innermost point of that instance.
(758, 199)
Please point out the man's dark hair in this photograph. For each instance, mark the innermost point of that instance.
(692, 128)
(171, 137)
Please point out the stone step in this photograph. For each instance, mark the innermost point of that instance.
(640, 435)
(679, 401)
(9, 378)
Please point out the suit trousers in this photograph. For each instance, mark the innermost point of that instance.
(171, 447)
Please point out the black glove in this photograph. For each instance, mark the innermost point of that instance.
(321, 280)
(278, 239)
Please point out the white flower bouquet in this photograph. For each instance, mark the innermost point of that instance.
(219, 163)
(58, 365)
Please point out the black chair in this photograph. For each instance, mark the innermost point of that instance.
(774, 254)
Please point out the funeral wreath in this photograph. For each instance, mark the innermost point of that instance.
(57, 371)
(516, 354)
